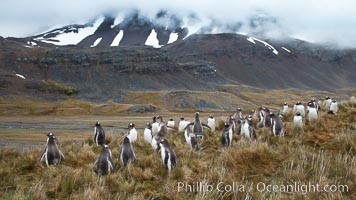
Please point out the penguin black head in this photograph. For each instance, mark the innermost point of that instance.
(285, 103)
(197, 114)
(171, 119)
(131, 125)
(313, 100)
(226, 125)
(334, 101)
(327, 97)
(238, 109)
(181, 118)
(154, 118)
(51, 137)
(148, 125)
(298, 114)
(310, 104)
(164, 143)
(249, 117)
(97, 124)
(126, 140)
(271, 114)
(211, 116)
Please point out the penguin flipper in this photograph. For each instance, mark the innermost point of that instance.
(60, 152)
(190, 124)
(206, 126)
(111, 163)
(43, 154)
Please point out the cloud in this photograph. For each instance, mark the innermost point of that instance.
(320, 21)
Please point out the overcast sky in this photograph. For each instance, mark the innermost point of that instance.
(321, 21)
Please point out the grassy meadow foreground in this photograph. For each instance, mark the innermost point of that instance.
(323, 153)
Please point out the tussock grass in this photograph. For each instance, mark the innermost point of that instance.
(322, 153)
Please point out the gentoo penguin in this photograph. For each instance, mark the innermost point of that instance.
(162, 128)
(182, 124)
(99, 134)
(132, 134)
(298, 120)
(263, 118)
(198, 126)
(299, 107)
(211, 123)
(168, 155)
(127, 154)
(155, 125)
(52, 153)
(226, 137)
(316, 104)
(238, 118)
(105, 162)
(334, 107)
(277, 127)
(171, 123)
(247, 130)
(156, 140)
(232, 123)
(312, 112)
(327, 102)
(147, 133)
(190, 138)
(285, 108)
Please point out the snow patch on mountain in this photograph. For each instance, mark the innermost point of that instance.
(172, 38)
(287, 50)
(96, 42)
(152, 40)
(270, 47)
(71, 36)
(117, 39)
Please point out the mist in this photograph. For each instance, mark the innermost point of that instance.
(318, 21)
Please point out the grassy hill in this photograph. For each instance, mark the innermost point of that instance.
(323, 153)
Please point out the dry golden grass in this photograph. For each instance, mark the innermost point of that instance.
(322, 153)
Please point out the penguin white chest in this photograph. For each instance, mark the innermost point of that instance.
(211, 123)
(300, 108)
(155, 128)
(171, 124)
(297, 121)
(132, 135)
(182, 125)
(245, 130)
(147, 134)
(187, 136)
(285, 109)
(334, 107)
(313, 114)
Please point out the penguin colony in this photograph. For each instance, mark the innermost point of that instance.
(155, 133)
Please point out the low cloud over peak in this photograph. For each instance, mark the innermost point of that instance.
(319, 21)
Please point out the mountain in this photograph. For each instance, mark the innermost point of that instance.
(224, 64)
(134, 29)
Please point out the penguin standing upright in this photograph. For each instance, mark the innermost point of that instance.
(162, 128)
(298, 120)
(232, 123)
(226, 137)
(156, 141)
(99, 134)
(182, 124)
(132, 134)
(211, 123)
(147, 133)
(198, 126)
(155, 125)
(334, 107)
(127, 154)
(190, 138)
(52, 153)
(327, 102)
(312, 112)
(299, 107)
(171, 124)
(277, 127)
(285, 108)
(247, 130)
(105, 162)
(261, 118)
(168, 155)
